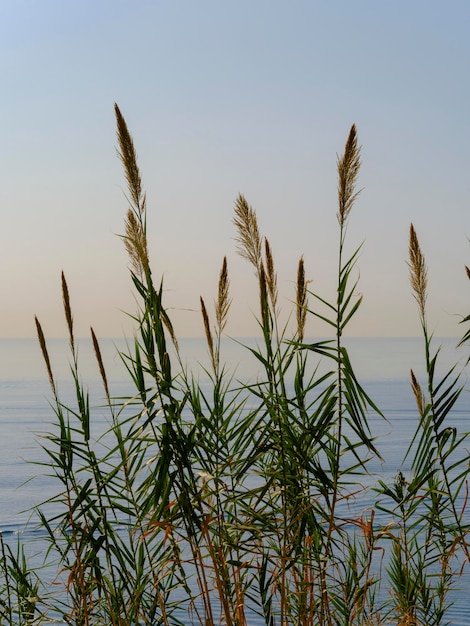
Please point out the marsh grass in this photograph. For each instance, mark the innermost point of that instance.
(228, 503)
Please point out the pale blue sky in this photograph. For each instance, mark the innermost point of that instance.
(223, 97)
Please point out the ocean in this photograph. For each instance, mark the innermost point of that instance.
(382, 365)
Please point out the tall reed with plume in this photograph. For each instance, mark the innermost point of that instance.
(429, 529)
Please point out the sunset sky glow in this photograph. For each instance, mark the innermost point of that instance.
(254, 97)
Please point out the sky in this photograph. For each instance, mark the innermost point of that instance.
(254, 97)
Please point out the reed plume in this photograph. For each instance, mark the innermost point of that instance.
(45, 354)
(271, 277)
(249, 239)
(418, 393)
(135, 241)
(207, 329)
(68, 310)
(418, 272)
(301, 299)
(104, 378)
(223, 300)
(128, 157)
(348, 170)
(263, 297)
(135, 238)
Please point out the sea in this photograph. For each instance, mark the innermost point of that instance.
(382, 365)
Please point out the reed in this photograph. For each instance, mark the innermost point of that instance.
(429, 535)
(227, 502)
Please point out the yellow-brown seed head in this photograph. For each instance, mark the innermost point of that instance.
(418, 272)
(348, 169)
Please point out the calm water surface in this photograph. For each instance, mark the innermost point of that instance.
(382, 365)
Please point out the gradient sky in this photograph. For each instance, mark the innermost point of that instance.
(253, 97)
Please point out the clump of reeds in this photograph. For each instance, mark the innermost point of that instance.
(227, 501)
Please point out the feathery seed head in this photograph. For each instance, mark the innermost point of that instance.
(45, 354)
(135, 237)
(207, 328)
(248, 238)
(271, 277)
(223, 300)
(418, 393)
(348, 169)
(418, 272)
(128, 156)
(263, 295)
(169, 327)
(302, 299)
(67, 310)
(136, 243)
(96, 347)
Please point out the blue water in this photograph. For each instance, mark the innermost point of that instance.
(382, 365)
